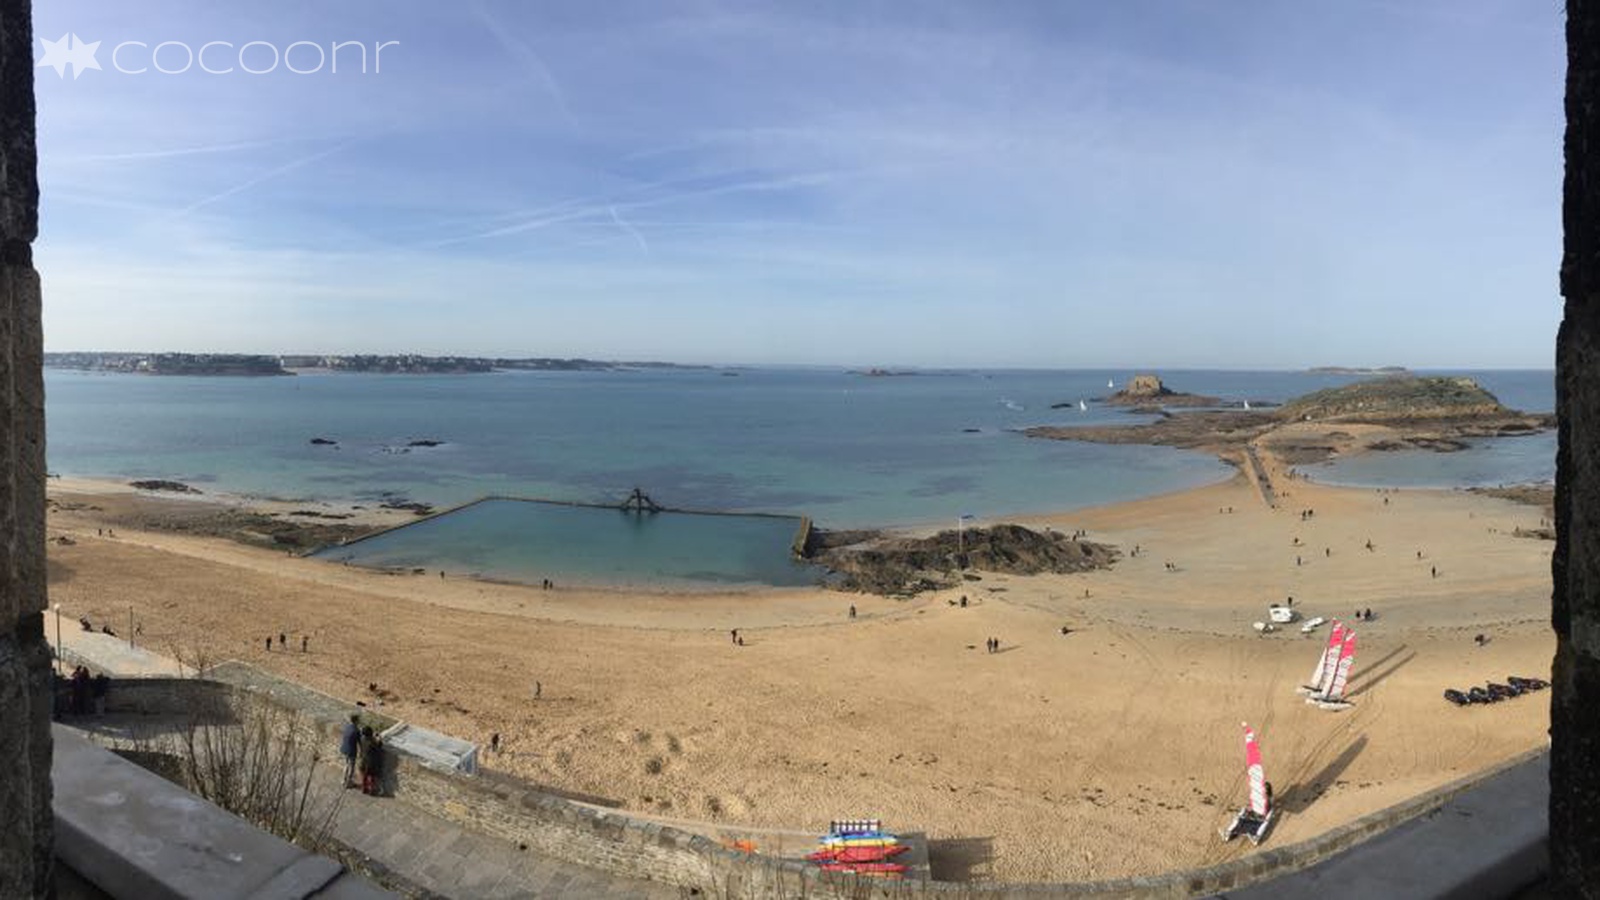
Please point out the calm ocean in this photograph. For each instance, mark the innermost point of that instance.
(845, 449)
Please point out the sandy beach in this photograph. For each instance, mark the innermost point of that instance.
(1111, 751)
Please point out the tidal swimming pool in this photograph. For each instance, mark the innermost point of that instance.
(528, 541)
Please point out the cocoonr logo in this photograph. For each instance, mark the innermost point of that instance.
(216, 57)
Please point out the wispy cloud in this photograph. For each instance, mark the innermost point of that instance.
(264, 177)
(925, 163)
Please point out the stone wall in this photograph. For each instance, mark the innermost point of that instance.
(25, 840)
(1575, 566)
(544, 823)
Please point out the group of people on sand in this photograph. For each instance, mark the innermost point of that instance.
(363, 754)
(283, 642)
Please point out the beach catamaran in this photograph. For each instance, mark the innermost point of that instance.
(1328, 688)
(1326, 662)
(1255, 818)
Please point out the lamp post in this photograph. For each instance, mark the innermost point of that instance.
(58, 637)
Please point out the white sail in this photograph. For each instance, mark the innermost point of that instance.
(1110, 383)
(1083, 407)
(1341, 674)
(1329, 657)
(1247, 404)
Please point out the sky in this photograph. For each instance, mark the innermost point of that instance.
(1004, 183)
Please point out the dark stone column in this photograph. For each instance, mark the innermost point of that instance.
(25, 688)
(1575, 612)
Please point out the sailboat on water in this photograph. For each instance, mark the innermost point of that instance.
(1111, 383)
(1083, 407)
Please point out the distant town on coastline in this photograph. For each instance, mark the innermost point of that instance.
(241, 364)
(266, 364)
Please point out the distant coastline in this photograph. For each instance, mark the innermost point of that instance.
(1359, 370)
(254, 365)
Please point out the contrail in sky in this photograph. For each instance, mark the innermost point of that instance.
(643, 245)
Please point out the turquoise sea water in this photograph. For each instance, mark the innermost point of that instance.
(845, 449)
(527, 542)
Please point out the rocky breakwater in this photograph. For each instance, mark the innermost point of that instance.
(874, 563)
(1436, 413)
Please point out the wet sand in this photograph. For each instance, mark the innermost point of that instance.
(1111, 751)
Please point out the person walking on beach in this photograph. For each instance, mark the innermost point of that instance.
(852, 610)
(305, 643)
(349, 740)
(733, 635)
(269, 643)
(283, 641)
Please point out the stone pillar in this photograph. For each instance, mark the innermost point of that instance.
(1575, 612)
(25, 688)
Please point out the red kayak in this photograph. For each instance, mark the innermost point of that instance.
(857, 854)
(866, 868)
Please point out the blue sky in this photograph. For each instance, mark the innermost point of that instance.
(983, 183)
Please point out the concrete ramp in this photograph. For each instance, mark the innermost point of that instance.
(437, 751)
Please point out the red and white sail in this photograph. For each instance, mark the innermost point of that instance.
(1256, 774)
(1329, 658)
(1341, 673)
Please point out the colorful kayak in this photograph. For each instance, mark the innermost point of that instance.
(868, 868)
(859, 840)
(857, 854)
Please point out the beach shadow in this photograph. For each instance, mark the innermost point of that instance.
(56, 572)
(1375, 674)
(1008, 648)
(960, 859)
(510, 782)
(1299, 797)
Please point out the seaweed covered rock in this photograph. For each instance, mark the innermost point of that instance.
(910, 565)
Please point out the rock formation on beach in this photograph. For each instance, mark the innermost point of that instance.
(872, 563)
(172, 487)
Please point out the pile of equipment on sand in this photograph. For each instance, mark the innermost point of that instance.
(860, 846)
(1494, 692)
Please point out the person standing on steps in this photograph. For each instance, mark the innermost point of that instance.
(348, 742)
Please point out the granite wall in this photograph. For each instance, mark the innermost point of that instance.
(1575, 566)
(25, 841)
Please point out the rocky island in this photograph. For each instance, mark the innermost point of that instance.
(1390, 413)
(1148, 391)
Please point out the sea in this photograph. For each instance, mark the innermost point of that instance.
(842, 448)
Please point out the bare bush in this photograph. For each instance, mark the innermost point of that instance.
(257, 761)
